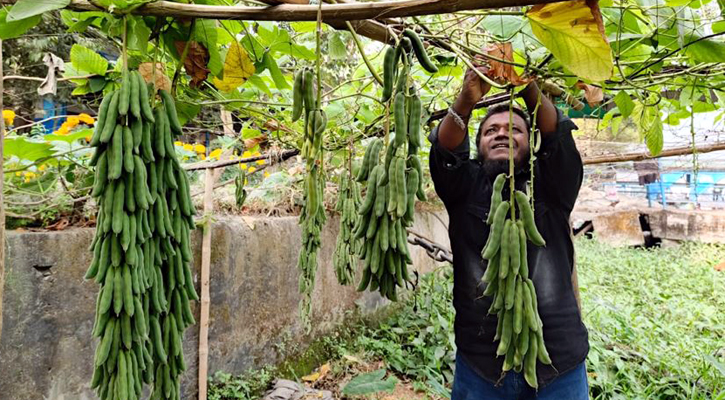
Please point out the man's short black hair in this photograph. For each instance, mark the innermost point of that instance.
(503, 108)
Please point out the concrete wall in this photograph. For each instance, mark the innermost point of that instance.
(46, 350)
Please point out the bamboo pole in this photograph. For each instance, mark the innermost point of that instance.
(306, 12)
(644, 155)
(2, 200)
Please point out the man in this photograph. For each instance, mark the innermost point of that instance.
(465, 186)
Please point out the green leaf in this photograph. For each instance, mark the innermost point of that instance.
(654, 138)
(187, 111)
(294, 50)
(13, 29)
(207, 33)
(87, 60)
(503, 26)
(30, 8)
(371, 382)
(718, 27)
(139, 33)
(338, 50)
(26, 150)
(249, 133)
(650, 126)
(715, 363)
(705, 51)
(303, 27)
(81, 90)
(279, 80)
(70, 138)
(97, 83)
(259, 83)
(624, 103)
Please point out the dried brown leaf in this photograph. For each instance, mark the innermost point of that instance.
(197, 59)
(501, 71)
(161, 80)
(592, 94)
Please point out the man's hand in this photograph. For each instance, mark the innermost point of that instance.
(474, 88)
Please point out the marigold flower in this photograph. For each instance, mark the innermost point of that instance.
(9, 116)
(86, 119)
(216, 153)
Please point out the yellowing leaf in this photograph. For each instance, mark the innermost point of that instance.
(313, 377)
(237, 68)
(574, 33)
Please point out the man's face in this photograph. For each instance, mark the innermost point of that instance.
(494, 142)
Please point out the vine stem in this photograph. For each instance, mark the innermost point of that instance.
(532, 142)
(125, 43)
(318, 50)
(361, 49)
(512, 188)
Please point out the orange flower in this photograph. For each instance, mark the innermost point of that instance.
(86, 119)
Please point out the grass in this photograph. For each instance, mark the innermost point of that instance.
(656, 321)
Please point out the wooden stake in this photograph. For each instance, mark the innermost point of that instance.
(308, 12)
(2, 200)
(644, 155)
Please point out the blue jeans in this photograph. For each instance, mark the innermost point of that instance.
(468, 385)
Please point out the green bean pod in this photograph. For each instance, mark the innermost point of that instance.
(420, 52)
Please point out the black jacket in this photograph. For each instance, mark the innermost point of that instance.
(464, 188)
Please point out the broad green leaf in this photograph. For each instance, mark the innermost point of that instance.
(338, 51)
(87, 60)
(303, 27)
(70, 138)
(237, 69)
(706, 50)
(573, 33)
(139, 33)
(13, 29)
(294, 50)
(254, 49)
(227, 33)
(271, 64)
(718, 27)
(97, 83)
(650, 126)
(267, 33)
(249, 133)
(81, 90)
(207, 33)
(187, 111)
(259, 83)
(30, 8)
(624, 103)
(371, 382)
(504, 27)
(702, 106)
(26, 150)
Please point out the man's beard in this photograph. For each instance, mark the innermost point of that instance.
(493, 168)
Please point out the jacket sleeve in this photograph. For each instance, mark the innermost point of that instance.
(451, 171)
(560, 168)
